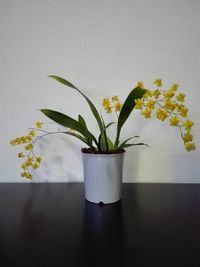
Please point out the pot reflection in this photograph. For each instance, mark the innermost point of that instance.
(103, 234)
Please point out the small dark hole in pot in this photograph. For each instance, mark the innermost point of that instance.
(101, 203)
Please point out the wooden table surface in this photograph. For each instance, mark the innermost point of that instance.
(51, 224)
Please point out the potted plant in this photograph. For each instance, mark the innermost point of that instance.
(103, 156)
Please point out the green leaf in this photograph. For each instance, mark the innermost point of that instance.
(92, 106)
(122, 144)
(103, 142)
(68, 122)
(83, 123)
(137, 144)
(102, 139)
(63, 81)
(127, 108)
(110, 144)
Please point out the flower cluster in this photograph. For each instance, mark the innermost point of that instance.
(114, 103)
(165, 104)
(31, 160)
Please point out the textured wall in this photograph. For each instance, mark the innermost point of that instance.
(103, 47)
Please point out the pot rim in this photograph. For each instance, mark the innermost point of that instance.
(92, 153)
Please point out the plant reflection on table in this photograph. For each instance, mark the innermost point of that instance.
(31, 220)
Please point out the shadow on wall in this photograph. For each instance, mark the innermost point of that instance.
(186, 173)
(61, 160)
(131, 166)
(133, 159)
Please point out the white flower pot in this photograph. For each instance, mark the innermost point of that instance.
(103, 177)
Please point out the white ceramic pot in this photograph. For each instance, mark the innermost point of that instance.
(103, 177)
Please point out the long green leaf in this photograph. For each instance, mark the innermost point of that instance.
(68, 122)
(122, 144)
(127, 108)
(63, 81)
(137, 144)
(92, 106)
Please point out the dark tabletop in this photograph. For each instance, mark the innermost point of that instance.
(53, 225)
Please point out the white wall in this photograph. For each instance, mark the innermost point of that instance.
(104, 47)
